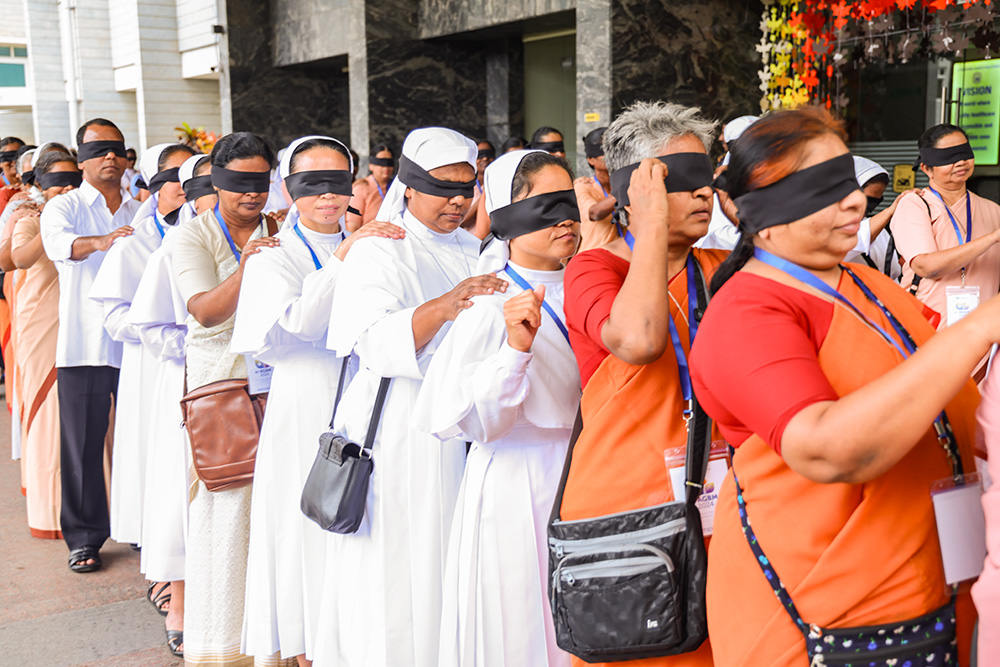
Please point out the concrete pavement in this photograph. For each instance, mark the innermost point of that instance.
(52, 617)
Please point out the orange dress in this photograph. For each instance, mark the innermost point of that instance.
(638, 407)
(849, 554)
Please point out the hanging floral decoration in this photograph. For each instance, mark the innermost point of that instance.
(806, 44)
(196, 138)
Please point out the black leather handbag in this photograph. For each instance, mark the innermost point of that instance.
(336, 490)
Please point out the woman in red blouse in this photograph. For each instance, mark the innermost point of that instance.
(807, 369)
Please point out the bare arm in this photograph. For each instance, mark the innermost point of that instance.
(881, 220)
(25, 256)
(429, 317)
(602, 209)
(637, 331)
(85, 246)
(863, 434)
(218, 304)
(938, 264)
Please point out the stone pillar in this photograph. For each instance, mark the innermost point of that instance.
(593, 70)
(504, 91)
(357, 76)
(50, 110)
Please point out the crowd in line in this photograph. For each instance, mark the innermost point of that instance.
(535, 351)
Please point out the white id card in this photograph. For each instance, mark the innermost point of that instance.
(961, 302)
(258, 375)
(718, 464)
(961, 526)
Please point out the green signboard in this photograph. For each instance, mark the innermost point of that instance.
(977, 91)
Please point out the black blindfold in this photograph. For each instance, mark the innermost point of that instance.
(161, 177)
(938, 157)
(797, 195)
(381, 161)
(60, 179)
(94, 149)
(592, 150)
(8, 156)
(241, 181)
(487, 153)
(534, 213)
(199, 186)
(686, 172)
(549, 146)
(28, 177)
(413, 175)
(319, 182)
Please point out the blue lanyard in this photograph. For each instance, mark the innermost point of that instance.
(675, 337)
(380, 192)
(954, 222)
(945, 436)
(312, 252)
(225, 230)
(525, 285)
(600, 186)
(159, 227)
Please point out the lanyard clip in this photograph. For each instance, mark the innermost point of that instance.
(963, 276)
(688, 413)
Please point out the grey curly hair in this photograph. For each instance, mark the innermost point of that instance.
(642, 129)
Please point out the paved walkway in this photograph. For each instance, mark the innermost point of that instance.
(52, 617)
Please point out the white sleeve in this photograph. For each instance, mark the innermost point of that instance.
(864, 237)
(117, 324)
(308, 317)
(166, 341)
(58, 233)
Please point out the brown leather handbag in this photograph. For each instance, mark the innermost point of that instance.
(223, 424)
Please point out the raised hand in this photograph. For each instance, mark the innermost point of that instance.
(523, 316)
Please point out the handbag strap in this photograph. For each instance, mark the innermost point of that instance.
(383, 389)
(340, 388)
(699, 440)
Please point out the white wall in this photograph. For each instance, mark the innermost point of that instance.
(50, 110)
(17, 124)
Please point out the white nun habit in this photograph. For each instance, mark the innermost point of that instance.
(282, 320)
(114, 288)
(864, 171)
(518, 408)
(382, 596)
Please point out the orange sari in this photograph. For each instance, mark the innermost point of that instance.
(849, 554)
(604, 478)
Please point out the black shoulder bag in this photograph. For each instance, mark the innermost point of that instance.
(631, 585)
(336, 490)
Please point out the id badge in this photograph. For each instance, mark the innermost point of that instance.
(718, 464)
(961, 302)
(961, 526)
(258, 375)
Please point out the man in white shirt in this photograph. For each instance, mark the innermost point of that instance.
(77, 228)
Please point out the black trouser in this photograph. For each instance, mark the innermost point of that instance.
(84, 405)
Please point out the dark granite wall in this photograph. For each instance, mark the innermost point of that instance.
(505, 90)
(415, 83)
(695, 52)
(281, 103)
(447, 17)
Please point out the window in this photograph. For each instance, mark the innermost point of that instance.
(20, 52)
(11, 75)
(5, 51)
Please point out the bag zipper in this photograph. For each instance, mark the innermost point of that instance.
(563, 547)
(621, 567)
(560, 522)
(864, 657)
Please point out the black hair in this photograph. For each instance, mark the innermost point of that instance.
(132, 151)
(11, 140)
(100, 122)
(542, 131)
(24, 149)
(50, 158)
(513, 142)
(877, 178)
(488, 143)
(55, 146)
(240, 146)
(199, 166)
(378, 148)
(594, 137)
(316, 143)
(529, 167)
(934, 134)
(170, 151)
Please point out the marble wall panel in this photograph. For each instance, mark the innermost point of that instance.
(415, 83)
(695, 52)
(281, 103)
(307, 30)
(505, 91)
(448, 17)
(593, 71)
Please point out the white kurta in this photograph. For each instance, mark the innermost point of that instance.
(282, 319)
(114, 288)
(159, 313)
(382, 594)
(518, 409)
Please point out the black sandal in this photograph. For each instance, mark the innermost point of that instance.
(175, 639)
(161, 598)
(78, 556)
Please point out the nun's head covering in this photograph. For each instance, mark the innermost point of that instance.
(41, 150)
(429, 148)
(148, 165)
(865, 170)
(185, 173)
(737, 126)
(25, 162)
(285, 168)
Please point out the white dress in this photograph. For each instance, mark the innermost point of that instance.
(282, 319)
(518, 409)
(114, 288)
(382, 594)
(159, 312)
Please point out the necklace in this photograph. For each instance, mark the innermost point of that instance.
(441, 268)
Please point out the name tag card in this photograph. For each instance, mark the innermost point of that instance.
(718, 464)
(961, 526)
(258, 375)
(961, 302)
